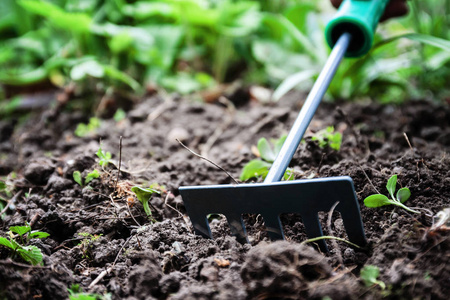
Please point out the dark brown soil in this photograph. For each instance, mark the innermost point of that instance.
(165, 260)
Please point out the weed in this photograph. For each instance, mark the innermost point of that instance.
(369, 275)
(89, 177)
(105, 157)
(28, 253)
(403, 194)
(119, 115)
(328, 138)
(76, 293)
(77, 177)
(87, 242)
(83, 130)
(144, 195)
(3, 188)
(260, 167)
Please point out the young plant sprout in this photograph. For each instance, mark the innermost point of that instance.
(105, 157)
(89, 177)
(369, 275)
(327, 137)
(402, 195)
(83, 130)
(144, 195)
(28, 253)
(260, 167)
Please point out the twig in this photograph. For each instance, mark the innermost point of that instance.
(330, 231)
(120, 162)
(10, 202)
(34, 219)
(129, 210)
(123, 246)
(211, 162)
(328, 237)
(370, 181)
(100, 277)
(108, 270)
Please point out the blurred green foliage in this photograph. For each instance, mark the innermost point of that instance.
(190, 45)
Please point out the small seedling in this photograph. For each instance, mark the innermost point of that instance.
(86, 243)
(86, 129)
(327, 137)
(105, 157)
(260, 167)
(119, 115)
(402, 195)
(144, 195)
(31, 254)
(89, 177)
(369, 275)
(76, 293)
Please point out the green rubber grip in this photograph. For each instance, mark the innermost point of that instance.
(359, 18)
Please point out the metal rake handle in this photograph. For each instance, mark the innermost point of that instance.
(306, 114)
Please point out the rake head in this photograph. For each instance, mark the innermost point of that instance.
(305, 197)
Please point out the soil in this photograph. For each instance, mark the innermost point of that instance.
(101, 229)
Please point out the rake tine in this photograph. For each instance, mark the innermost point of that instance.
(237, 227)
(273, 227)
(352, 225)
(201, 225)
(313, 229)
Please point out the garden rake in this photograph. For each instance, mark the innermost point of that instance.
(350, 34)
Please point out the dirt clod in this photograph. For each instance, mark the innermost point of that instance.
(282, 269)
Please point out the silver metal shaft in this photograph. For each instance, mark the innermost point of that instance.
(306, 114)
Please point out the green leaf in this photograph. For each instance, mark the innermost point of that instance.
(144, 195)
(403, 194)
(186, 83)
(92, 175)
(85, 129)
(377, 200)
(77, 177)
(31, 254)
(289, 174)
(255, 168)
(87, 68)
(391, 185)
(119, 115)
(105, 157)
(116, 74)
(38, 235)
(2, 186)
(5, 242)
(369, 275)
(20, 230)
(291, 82)
(279, 144)
(78, 22)
(422, 38)
(265, 150)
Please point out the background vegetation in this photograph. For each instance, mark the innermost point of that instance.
(106, 47)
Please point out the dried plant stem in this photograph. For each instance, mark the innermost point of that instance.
(208, 160)
(370, 181)
(328, 237)
(330, 231)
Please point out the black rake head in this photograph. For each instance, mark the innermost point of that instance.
(306, 197)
